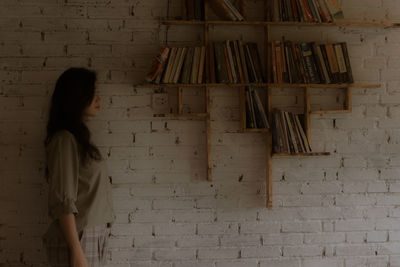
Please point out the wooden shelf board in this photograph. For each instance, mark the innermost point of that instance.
(301, 154)
(273, 85)
(320, 85)
(252, 130)
(338, 24)
(339, 111)
(181, 115)
(285, 23)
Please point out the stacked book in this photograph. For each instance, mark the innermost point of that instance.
(304, 10)
(178, 64)
(225, 10)
(256, 116)
(288, 133)
(233, 62)
(310, 63)
(193, 10)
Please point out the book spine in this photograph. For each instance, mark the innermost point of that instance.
(308, 57)
(249, 120)
(187, 66)
(333, 65)
(238, 60)
(175, 64)
(295, 10)
(278, 56)
(276, 136)
(171, 59)
(285, 132)
(250, 65)
(300, 145)
(260, 109)
(228, 65)
(212, 64)
(283, 62)
(347, 61)
(179, 67)
(341, 63)
(252, 111)
(307, 15)
(297, 64)
(195, 65)
(201, 64)
(313, 10)
(288, 4)
(243, 61)
(231, 61)
(274, 68)
(325, 11)
(276, 10)
(301, 64)
(326, 61)
(256, 61)
(323, 65)
(233, 10)
(318, 10)
(291, 132)
(221, 69)
(303, 135)
(190, 9)
(318, 65)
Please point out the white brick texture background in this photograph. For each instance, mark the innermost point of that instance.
(340, 210)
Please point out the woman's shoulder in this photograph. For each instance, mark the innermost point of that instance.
(61, 136)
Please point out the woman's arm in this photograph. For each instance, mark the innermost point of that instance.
(68, 227)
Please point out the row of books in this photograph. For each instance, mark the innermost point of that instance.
(227, 62)
(234, 62)
(256, 116)
(310, 63)
(178, 64)
(304, 10)
(288, 133)
(193, 10)
(225, 10)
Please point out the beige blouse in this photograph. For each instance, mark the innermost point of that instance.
(84, 190)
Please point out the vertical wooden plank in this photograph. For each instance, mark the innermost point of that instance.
(208, 129)
(207, 93)
(307, 113)
(267, 40)
(269, 170)
(242, 103)
(348, 104)
(180, 104)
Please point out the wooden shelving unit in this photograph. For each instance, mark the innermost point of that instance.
(268, 86)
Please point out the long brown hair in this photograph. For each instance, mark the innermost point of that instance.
(74, 91)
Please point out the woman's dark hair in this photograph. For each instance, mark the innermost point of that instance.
(74, 91)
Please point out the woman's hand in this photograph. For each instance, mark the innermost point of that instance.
(78, 258)
(68, 227)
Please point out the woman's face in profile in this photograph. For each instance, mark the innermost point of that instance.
(93, 109)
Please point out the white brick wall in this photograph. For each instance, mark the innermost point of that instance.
(340, 210)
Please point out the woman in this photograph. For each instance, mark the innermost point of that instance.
(80, 202)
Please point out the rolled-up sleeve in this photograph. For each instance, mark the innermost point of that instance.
(63, 166)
